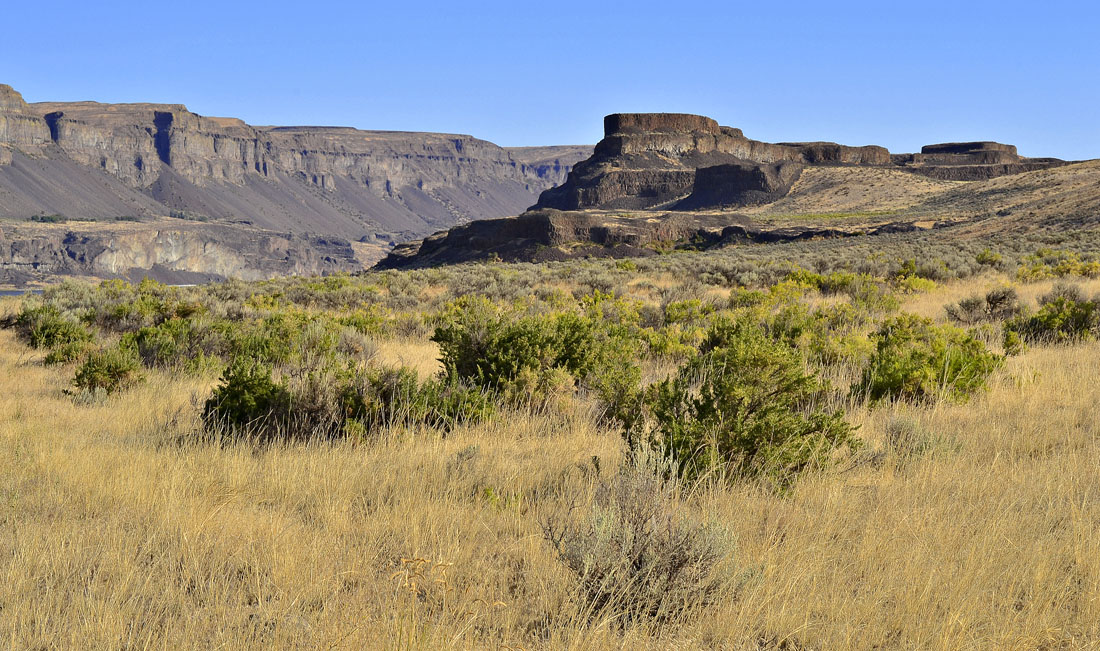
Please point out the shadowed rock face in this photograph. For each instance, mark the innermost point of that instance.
(741, 184)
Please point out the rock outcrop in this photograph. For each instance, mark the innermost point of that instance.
(970, 161)
(740, 184)
(546, 234)
(334, 180)
(661, 179)
(167, 252)
(649, 160)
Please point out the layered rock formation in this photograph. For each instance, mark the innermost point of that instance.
(333, 180)
(649, 160)
(661, 179)
(970, 161)
(167, 251)
(547, 234)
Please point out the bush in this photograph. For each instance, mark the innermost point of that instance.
(486, 346)
(915, 359)
(1064, 317)
(745, 407)
(637, 559)
(46, 327)
(327, 402)
(248, 400)
(109, 370)
(997, 305)
(67, 353)
(395, 396)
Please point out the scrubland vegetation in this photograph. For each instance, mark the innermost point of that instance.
(859, 444)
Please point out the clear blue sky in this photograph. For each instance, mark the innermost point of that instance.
(520, 73)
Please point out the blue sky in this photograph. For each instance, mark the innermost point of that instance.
(517, 73)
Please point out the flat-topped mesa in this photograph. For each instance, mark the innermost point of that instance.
(650, 159)
(625, 123)
(967, 147)
(970, 161)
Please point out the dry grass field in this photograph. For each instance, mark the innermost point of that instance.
(958, 526)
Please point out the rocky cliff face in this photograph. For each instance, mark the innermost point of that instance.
(167, 251)
(652, 159)
(334, 180)
(658, 179)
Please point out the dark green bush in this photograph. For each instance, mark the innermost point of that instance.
(326, 402)
(1064, 317)
(249, 400)
(745, 407)
(915, 359)
(108, 370)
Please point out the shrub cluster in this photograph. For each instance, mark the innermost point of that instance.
(1064, 316)
(914, 359)
(745, 407)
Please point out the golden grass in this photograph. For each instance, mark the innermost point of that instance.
(120, 528)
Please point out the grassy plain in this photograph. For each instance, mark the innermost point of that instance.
(973, 525)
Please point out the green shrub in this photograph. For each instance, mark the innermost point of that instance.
(67, 353)
(45, 326)
(108, 370)
(637, 558)
(326, 401)
(484, 345)
(915, 359)
(395, 396)
(1064, 317)
(248, 400)
(745, 407)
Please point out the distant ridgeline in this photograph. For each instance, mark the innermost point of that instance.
(679, 167)
(86, 160)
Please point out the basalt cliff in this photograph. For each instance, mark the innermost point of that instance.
(658, 181)
(91, 161)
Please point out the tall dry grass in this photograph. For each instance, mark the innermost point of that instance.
(960, 526)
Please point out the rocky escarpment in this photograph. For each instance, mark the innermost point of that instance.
(166, 251)
(650, 160)
(547, 234)
(658, 181)
(737, 184)
(339, 181)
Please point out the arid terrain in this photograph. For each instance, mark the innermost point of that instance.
(705, 393)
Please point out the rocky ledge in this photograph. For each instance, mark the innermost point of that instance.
(168, 252)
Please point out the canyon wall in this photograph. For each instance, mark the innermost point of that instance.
(335, 180)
